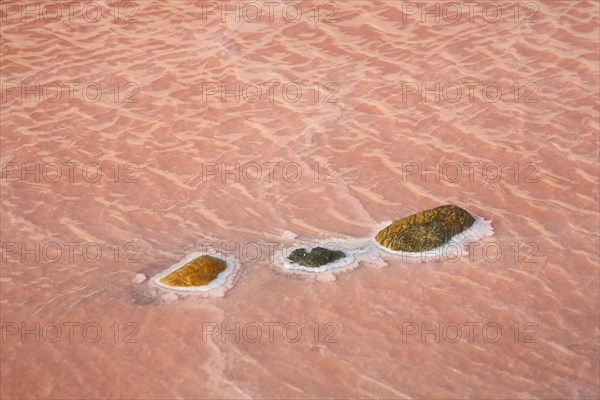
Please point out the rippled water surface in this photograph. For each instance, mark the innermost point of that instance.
(129, 107)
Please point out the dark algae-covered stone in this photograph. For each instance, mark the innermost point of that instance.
(317, 257)
(425, 230)
(198, 272)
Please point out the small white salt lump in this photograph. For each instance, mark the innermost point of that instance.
(289, 235)
(139, 278)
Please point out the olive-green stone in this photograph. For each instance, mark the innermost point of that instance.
(317, 257)
(425, 230)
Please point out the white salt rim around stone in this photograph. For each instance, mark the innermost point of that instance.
(367, 250)
(216, 283)
(357, 250)
(480, 229)
(342, 262)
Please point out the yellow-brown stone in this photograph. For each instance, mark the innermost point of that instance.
(198, 272)
(425, 230)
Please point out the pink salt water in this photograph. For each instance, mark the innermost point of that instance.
(373, 139)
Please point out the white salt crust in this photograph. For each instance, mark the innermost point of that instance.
(342, 262)
(368, 250)
(218, 286)
(456, 245)
(139, 278)
(289, 235)
(356, 250)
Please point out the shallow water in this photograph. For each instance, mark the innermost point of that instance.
(366, 149)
